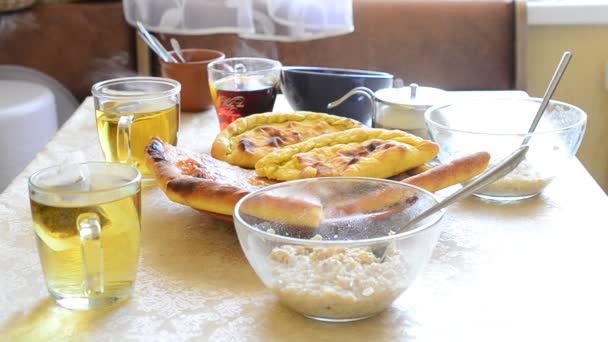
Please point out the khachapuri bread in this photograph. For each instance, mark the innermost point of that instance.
(360, 152)
(248, 139)
(204, 183)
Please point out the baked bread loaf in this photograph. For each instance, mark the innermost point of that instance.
(285, 212)
(362, 152)
(455, 172)
(199, 180)
(248, 139)
(202, 182)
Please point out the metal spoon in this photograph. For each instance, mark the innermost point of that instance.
(154, 44)
(511, 161)
(178, 50)
(501, 169)
(557, 76)
(164, 51)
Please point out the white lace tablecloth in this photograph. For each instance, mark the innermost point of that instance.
(529, 271)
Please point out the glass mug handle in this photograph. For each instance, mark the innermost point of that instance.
(123, 139)
(91, 248)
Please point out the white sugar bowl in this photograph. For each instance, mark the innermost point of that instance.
(403, 108)
(400, 107)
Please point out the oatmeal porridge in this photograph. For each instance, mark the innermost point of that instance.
(525, 180)
(337, 282)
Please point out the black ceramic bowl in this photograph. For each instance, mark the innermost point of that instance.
(312, 88)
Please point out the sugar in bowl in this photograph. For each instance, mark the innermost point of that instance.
(400, 107)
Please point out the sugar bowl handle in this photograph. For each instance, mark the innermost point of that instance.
(368, 93)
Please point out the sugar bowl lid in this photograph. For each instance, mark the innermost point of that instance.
(411, 96)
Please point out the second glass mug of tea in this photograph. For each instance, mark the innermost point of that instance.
(87, 221)
(242, 86)
(130, 111)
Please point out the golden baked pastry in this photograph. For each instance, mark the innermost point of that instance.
(429, 178)
(297, 213)
(458, 171)
(364, 152)
(199, 180)
(202, 182)
(248, 139)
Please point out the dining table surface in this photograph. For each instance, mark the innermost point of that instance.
(531, 270)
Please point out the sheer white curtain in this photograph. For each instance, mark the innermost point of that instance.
(279, 20)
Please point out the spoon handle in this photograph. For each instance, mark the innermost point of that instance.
(163, 50)
(500, 170)
(178, 50)
(557, 76)
(154, 44)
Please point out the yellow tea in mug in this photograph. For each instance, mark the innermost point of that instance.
(130, 111)
(150, 119)
(88, 236)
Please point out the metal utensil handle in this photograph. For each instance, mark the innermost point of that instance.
(151, 46)
(557, 76)
(178, 50)
(366, 92)
(147, 37)
(164, 51)
(154, 48)
(154, 44)
(500, 170)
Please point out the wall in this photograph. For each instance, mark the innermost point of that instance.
(582, 85)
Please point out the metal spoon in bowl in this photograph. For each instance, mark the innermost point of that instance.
(178, 50)
(501, 169)
(557, 76)
(495, 173)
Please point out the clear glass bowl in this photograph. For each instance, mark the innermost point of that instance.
(499, 126)
(312, 242)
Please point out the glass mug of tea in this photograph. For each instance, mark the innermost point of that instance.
(130, 111)
(87, 220)
(242, 86)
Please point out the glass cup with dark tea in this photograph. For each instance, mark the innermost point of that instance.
(243, 86)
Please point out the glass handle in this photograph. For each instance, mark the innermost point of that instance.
(89, 228)
(123, 139)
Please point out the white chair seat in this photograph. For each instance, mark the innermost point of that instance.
(28, 120)
(66, 101)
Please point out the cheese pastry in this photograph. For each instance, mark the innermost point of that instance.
(363, 152)
(248, 139)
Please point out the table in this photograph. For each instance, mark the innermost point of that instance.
(534, 270)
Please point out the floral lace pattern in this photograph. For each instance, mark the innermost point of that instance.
(195, 284)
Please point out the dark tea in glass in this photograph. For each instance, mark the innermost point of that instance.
(243, 86)
(238, 96)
